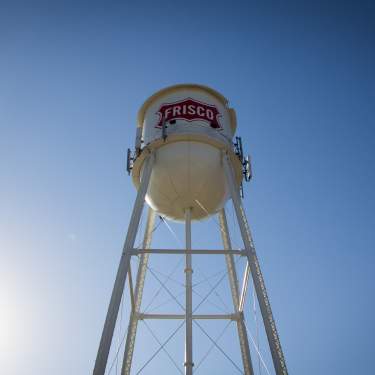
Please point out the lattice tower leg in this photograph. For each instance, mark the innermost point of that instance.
(260, 288)
(118, 288)
(138, 292)
(233, 281)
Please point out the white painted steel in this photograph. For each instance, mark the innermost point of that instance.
(131, 289)
(139, 286)
(150, 114)
(188, 160)
(193, 252)
(233, 282)
(118, 288)
(245, 284)
(187, 175)
(184, 173)
(259, 285)
(189, 298)
(194, 316)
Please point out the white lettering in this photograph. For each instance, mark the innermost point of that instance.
(191, 109)
(167, 112)
(210, 114)
(200, 111)
(176, 111)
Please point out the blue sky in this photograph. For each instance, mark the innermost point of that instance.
(73, 75)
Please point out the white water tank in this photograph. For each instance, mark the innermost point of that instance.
(189, 127)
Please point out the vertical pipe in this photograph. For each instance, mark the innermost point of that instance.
(118, 288)
(259, 285)
(189, 299)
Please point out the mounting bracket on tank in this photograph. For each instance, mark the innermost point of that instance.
(132, 155)
(138, 141)
(245, 160)
(164, 130)
(130, 160)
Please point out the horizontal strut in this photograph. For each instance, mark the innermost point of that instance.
(182, 251)
(194, 316)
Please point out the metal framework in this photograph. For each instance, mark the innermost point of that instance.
(238, 297)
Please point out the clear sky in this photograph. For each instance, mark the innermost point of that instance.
(73, 74)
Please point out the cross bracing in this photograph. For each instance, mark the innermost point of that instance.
(188, 298)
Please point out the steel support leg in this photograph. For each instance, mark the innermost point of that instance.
(189, 299)
(139, 285)
(233, 281)
(118, 288)
(260, 288)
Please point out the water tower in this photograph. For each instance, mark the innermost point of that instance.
(186, 166)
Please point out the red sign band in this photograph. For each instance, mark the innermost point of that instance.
(191, 110)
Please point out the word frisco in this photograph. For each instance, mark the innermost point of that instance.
(189, 109)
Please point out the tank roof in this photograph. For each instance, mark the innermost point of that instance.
(143, 109)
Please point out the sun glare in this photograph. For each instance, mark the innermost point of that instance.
(6, 323)
(10, 325)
